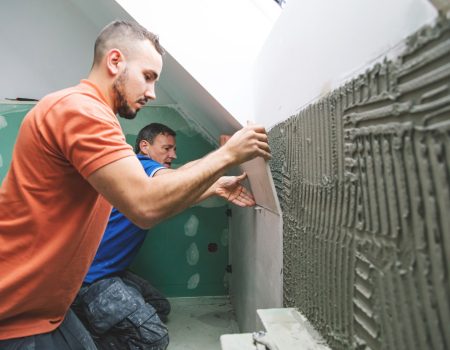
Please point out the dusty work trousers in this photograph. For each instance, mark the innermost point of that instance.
(70, 335)
(121, 312)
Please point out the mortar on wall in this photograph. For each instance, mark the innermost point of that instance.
(363, 177)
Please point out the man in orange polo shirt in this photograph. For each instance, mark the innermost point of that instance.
(69, 165)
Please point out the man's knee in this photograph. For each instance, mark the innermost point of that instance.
(119, 317)
(145, 330)
(162, 307)
(150, 294)
(107, 302)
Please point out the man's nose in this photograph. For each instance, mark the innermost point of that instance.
(150, 93)
(173, 154)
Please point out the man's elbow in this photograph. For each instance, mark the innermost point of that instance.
(145, 219)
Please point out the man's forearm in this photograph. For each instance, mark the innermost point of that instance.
(146, 201)
(205, 195)
(182, 188)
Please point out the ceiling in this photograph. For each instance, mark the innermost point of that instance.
(48, 45)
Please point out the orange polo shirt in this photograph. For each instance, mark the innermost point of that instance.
(51, 219)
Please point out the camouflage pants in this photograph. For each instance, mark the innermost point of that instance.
(124, 312)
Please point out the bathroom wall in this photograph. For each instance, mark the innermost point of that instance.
(313, 49)
(362, 172)
(315, 46)
(186, 255)
(257, 264)
(11, 115)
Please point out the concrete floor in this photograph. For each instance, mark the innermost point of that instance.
(197, 323)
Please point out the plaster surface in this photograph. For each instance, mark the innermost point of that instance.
(216, 41)
(363, 177)
(257, 264)
(315, 46)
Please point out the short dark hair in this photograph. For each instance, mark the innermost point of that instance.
(121, 35)
(149, 132)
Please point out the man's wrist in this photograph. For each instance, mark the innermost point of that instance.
(228, 158)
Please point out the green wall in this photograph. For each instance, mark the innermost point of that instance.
(11, 116)
(175, 256)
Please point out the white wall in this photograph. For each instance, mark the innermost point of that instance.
(216, 41)
(48, 45)
(316, 45)
(256, 257)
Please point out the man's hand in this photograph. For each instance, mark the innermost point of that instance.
(247, 143)
(230, 188)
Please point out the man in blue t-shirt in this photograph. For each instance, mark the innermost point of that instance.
(120, 309)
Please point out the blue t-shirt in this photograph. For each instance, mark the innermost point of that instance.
(121, 240)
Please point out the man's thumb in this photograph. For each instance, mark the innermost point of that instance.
(242, 177)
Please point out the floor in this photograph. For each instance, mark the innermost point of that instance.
(197, 323)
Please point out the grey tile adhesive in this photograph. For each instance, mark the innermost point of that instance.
(363, 181)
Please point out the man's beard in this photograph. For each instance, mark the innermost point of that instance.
(122, 106)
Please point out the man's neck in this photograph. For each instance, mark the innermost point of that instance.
(105, 86)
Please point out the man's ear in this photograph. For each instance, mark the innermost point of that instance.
(143, 145)
(114, 61)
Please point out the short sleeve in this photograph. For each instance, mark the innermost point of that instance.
(90, 135)
(151, 166)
